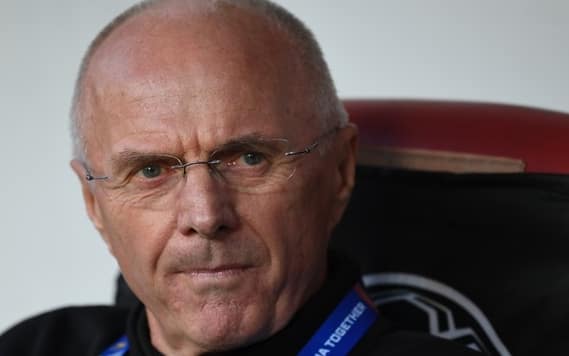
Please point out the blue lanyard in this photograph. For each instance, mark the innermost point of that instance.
(347, 324)
(119, 348)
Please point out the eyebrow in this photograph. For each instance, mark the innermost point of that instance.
(132, 157)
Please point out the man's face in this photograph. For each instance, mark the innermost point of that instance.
(216, 268)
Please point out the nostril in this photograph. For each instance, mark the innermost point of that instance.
(217, 233)
(207, 230)
(223, 228)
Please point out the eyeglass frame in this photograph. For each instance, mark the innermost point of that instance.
(212, 163)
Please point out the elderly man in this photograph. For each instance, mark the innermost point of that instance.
(215, 159)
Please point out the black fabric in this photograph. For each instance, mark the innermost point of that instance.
(90, 330)
(124, 297)
(68, 331)
(500, 239)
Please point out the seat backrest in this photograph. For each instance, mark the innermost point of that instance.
(460, 220)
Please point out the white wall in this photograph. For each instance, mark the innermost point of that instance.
(513, 51)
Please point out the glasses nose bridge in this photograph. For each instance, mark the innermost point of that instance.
(201, 182)
(184, 166)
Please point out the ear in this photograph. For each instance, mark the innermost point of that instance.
(345, 169)
(91, 203)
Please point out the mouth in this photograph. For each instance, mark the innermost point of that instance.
(218, 273)
(221, 270)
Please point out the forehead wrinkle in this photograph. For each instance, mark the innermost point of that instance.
(251, 138)
(163, 103)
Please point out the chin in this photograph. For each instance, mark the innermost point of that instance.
(222, 326)
(217, 336)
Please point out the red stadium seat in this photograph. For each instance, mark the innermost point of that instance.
(536, 138)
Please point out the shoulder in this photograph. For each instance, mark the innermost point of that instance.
(67, 331)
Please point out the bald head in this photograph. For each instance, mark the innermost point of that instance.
(182, 29)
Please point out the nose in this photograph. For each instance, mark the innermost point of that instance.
(204, 205)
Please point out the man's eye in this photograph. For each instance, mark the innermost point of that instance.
(151, 171)
(253, 158)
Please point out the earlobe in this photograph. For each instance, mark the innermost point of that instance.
(91, 203)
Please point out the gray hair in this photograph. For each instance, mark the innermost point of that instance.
(326, 103)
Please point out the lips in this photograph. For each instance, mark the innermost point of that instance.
(203, 263)
(219, 270)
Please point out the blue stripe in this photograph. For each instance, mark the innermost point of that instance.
(119, 348)
(347, 324)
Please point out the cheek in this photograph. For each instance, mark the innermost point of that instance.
(309, 216)
(292, 224)
(267, 217)
(137, 237)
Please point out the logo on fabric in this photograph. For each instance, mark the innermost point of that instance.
(342, 329)
(423, 304)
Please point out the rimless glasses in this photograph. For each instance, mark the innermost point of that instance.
(250, 164)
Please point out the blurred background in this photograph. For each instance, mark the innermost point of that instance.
(509, 51)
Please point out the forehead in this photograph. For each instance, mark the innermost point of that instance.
(209, 77)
